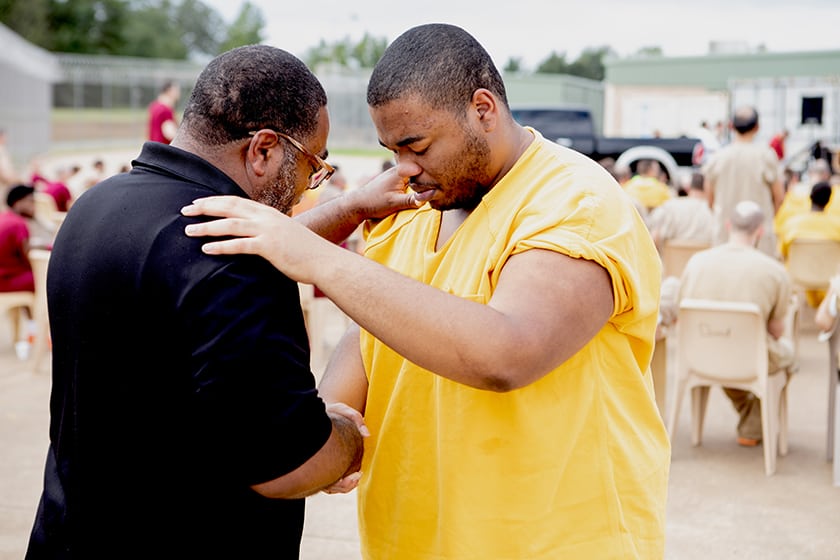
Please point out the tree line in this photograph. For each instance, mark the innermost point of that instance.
(184, 29)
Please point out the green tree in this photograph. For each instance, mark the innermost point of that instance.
(369, 50)
(202, 28)
(364, 54)
(86, 26)
(148, 28)
(153, 32)
(652, 51)
(245, 30)
(554, 64)
(590, 63)
(513, 65)
(27, 19)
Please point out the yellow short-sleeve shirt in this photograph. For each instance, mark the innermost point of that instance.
(574, 465)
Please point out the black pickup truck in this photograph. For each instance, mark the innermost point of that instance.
(573, 127)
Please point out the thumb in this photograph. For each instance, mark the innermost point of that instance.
(416, 200)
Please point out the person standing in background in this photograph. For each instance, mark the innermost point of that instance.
(744, 170)
(162, 123)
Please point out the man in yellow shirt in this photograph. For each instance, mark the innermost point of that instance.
(503, 365)
(646, 187)
(797, 200)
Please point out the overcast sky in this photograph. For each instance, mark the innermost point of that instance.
(532, 29)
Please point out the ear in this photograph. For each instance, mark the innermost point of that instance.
(259, 151)
(486, 107)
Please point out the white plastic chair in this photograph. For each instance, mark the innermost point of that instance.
(39, 258)
(13, 304)
(812, 262)
(724, 344)
(675, 254)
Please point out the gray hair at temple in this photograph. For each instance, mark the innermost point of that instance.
(746, 217)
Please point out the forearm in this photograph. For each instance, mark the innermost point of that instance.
(778, 192)
(334, 220)
(456, 338)
(344, 379)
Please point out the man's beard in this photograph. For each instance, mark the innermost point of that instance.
(281, 192)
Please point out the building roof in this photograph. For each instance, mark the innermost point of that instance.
(713, 71)
(26, 58)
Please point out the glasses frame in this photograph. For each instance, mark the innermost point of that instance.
(324, 171)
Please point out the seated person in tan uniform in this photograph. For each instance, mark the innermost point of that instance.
(685, 218)
(737, 271)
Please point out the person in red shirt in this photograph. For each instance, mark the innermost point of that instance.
(162, 123)
(778, 144)
(15, 270)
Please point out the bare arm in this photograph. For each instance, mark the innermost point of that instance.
(168, 128)
(777, 189)
(709, 187)
(344, 379)
(823, 318)
(546, 306)
(340, 455)
(776, 328)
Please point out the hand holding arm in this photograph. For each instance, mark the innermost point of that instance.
(339, 457)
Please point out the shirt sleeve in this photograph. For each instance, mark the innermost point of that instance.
(256, 409)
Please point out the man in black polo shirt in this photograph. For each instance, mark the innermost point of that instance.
(185, 422)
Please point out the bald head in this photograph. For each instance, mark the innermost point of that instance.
(746, 217)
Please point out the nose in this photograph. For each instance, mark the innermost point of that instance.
(407, 168)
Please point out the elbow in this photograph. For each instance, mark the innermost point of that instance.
(506, 377)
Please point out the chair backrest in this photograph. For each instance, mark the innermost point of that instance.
(722, 341)
(675, 254)
(812, 262)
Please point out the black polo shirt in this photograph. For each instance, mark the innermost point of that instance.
(179, 380)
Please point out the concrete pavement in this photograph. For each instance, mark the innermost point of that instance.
(721, 505)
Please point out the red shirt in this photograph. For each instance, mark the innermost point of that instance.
(60, 193)
(159, 113)
(15, 270)
(778, 145)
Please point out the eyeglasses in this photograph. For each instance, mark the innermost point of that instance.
(324, 170)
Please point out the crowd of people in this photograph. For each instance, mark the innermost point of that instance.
(745, 207)
(492, 395)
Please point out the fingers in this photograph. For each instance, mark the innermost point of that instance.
(419, 199)
(225, 207)
(344, 485)
(351, 414)
(238, 246)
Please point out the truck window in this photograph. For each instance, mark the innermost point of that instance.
(554, 123)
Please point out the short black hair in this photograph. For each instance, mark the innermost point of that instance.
(17, 193)
(253, 87)
(821, 194)
(745, 119)
(441, 63)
